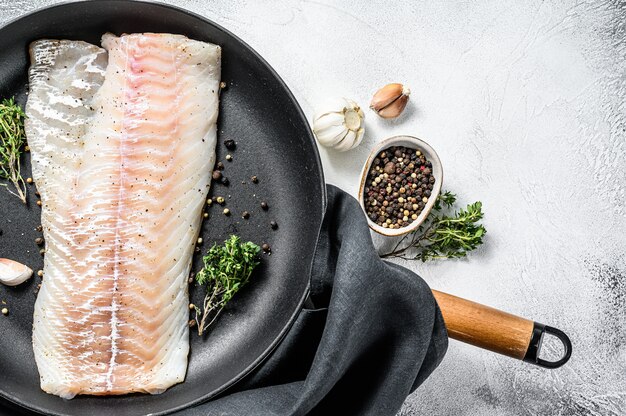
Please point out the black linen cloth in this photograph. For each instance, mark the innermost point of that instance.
(371, 334)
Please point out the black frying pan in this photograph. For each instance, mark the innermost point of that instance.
(274, 143)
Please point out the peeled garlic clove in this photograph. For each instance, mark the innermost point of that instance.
(13, 273)
(340, 125)
(390, 100)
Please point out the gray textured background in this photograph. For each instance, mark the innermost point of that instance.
(526, 106)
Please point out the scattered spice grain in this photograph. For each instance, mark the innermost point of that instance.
(230, 144)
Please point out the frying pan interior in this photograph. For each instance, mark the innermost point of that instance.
(274, 143)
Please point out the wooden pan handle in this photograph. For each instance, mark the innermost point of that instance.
(498, 331)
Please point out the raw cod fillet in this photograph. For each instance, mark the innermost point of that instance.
(122, 155)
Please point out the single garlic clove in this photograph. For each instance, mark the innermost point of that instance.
(336, 140)
(328, 120)
(13, 273)
(347, 142)
(327, 136)
(331, 136)
(390, 100)
(394, 109)
(359, 136)
(385, 96)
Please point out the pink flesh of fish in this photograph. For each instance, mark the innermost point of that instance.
(122, 213)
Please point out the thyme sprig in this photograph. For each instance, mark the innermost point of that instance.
(12, 138)
(443, 236)
(227, 268)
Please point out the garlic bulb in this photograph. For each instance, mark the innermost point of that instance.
(13, 273)
(340, 125)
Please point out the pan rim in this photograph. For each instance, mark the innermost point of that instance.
(323, 203)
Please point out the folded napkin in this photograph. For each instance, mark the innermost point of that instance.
(370, 335)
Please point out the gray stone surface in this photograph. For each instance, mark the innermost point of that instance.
(525, 103)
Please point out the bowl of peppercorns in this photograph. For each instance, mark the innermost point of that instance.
(400, 183)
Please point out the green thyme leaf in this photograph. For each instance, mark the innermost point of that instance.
(227, 268)
(12, 138)
(443, 236)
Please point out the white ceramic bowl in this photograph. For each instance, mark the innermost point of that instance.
(437, 171)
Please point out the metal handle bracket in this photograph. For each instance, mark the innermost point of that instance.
(534, 347)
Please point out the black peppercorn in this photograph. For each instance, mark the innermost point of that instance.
(255, 179)
(245, 215)
(266, 247)
(230, 144)
(390, 168)
(225, 181)
(264, 205)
